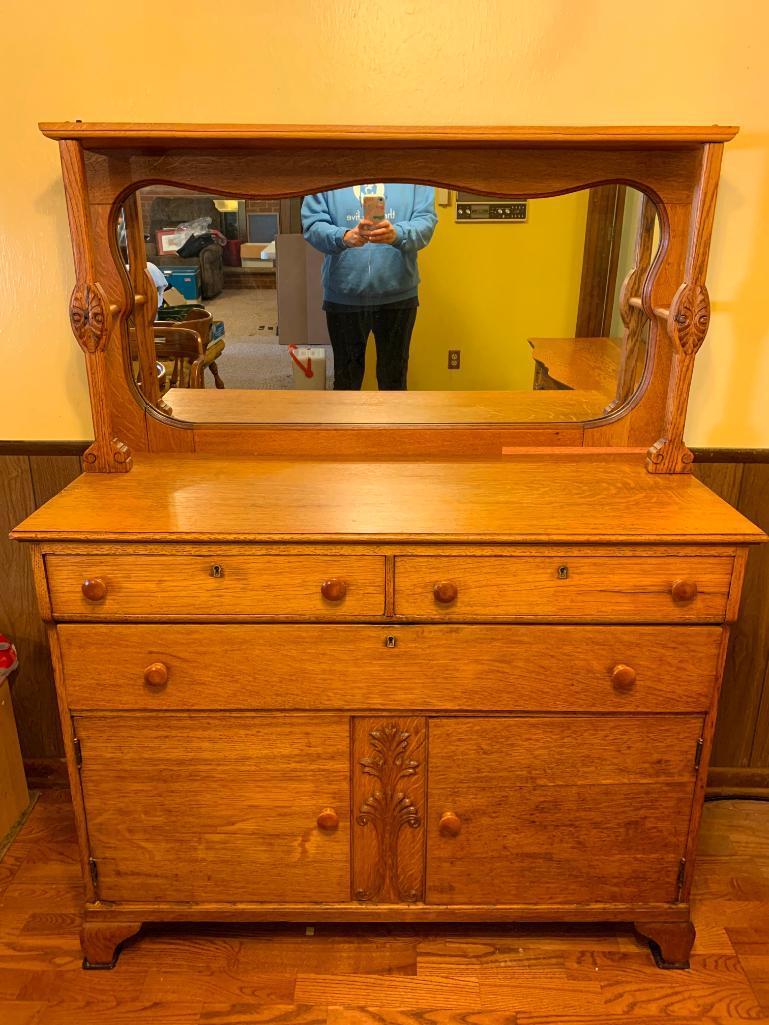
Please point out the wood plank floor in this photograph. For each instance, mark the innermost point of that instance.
(343, 975)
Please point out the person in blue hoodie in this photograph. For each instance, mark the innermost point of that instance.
(370, 276)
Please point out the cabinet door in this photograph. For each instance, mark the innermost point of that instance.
(558, 810)
(217, 807)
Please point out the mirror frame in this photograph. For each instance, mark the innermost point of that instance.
(103, 166)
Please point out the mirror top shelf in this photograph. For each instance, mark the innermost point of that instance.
(101, 135)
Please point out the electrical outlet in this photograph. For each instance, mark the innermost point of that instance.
(453, 359)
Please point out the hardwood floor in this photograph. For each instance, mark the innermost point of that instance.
(342, 975)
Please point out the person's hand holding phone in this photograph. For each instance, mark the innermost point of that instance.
(355, 237)
(382, 233)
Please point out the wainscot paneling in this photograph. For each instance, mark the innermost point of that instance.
(30, 473)
(740, 759)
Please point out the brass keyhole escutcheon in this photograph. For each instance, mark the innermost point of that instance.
(563, 572)
(390, 641)
(216, 570)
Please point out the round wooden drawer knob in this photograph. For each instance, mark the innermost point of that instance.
(623, 677)
(445, 592)
(156, 675)
(328, 820)
(94, 589)
(450, 824)
(684, 590)
(334, 589)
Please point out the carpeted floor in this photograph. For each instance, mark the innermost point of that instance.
(253, 357)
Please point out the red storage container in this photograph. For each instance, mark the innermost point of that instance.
(231, 253)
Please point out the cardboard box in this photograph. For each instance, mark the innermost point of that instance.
(14, 796)
(252, 250)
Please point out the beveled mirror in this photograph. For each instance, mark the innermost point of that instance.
(505, 310)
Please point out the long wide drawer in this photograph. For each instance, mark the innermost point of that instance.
(150, 586)
(611, 588)
(371, 667)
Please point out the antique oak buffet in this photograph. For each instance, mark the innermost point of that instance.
(387, 668)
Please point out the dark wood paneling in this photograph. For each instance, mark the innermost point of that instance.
(25, 483)
(750, 659)
(742, 734)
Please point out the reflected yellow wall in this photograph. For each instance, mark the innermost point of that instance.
(487, 288)
(501, 61)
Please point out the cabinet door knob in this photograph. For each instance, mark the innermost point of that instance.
(328, 820)
(684, 590)
(156, 675)
(623, 677)
(445, 592)
(334, 589)
(450, 824)
(94, 589)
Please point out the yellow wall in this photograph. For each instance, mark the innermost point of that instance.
(500, 61)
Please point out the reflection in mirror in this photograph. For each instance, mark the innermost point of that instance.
(388, 303)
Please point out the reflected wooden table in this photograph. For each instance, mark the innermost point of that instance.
(577, 364)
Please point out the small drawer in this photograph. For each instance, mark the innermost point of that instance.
(559, 586)
(281, 666)
(168, 586)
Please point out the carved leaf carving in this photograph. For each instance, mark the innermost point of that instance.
(689, 318)
(89, 316)
(390, 804)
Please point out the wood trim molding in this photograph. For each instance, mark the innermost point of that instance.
(741, 782)
(731, 455)
(43, 448)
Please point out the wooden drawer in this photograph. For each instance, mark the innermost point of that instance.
(559, 810)
(217, 807)
(633, 588)
(166, 586)
(330, 666)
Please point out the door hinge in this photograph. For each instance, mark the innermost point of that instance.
(78, 752)
(680, 877)
(698, 753)
(94, 870)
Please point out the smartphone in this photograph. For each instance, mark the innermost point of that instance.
(373, 209)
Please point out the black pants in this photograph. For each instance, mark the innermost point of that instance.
(349, 333)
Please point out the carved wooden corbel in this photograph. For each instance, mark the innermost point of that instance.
(687, 325)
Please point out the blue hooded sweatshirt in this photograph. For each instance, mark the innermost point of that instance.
(372, 274)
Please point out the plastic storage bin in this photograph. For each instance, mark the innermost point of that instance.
(186, 280)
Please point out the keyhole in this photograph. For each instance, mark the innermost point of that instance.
(563, 572)
(217, 570)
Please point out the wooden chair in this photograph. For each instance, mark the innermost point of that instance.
(198, 319)
(185, 351)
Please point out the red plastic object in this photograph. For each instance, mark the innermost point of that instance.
(8, 659)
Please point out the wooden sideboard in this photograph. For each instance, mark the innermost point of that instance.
(377, 691)
(458, 659)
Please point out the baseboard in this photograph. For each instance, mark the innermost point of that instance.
(46, 773)
(740, 782)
